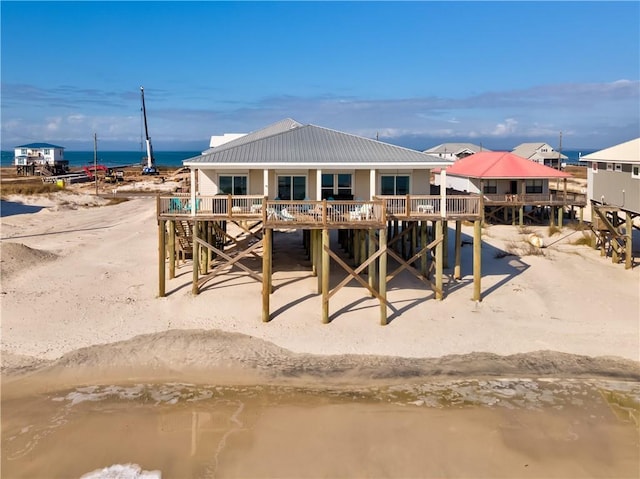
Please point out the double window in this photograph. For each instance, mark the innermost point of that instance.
(232, 185)
(339, 184)
(533, 186)
(394, 185)
(292, 187)
(490, 187)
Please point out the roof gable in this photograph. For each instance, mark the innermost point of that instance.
(502, 164)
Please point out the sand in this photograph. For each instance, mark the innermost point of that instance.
(79, 278)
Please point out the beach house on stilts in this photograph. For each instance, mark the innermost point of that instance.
(374, 196)
(514, 189)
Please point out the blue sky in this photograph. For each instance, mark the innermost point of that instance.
(414, 73)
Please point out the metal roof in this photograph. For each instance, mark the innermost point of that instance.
(454, 148)
(627, 152)
(501, 165)
(291, 143)
(529, 150)
(39, 145)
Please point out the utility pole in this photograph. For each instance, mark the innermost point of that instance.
(95, 160)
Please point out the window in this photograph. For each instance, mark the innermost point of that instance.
(635, 171)
(618, 167)
(292, 187)
(609, 166)
(394, 185)
(232, 185)
(47, 151)
(336, 184)
(23, 151)
(594, 166)
(490, 187)
(533, 186)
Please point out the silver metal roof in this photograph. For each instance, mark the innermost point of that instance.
(289, 142)
(454, 148)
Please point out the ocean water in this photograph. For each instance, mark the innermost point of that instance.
(113, 159)
(172, 158)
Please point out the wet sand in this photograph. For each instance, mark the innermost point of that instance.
(494, 427)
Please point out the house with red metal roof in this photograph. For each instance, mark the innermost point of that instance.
(509, 182)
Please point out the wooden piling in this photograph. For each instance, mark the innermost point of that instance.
(439, 259)
(267, 246)
(196, 258)
(628, 254)
(172, 249)
(477, 260)
(161, 257)
(382, 276)
(458, 247)
(325, 275)
(372, 265)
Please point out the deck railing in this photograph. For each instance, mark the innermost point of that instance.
(416, 206)
(533, 199)
(325, 212)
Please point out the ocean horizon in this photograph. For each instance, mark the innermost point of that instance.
(174, 159)
(113, 159)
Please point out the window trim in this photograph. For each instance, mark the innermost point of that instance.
(609, 166)
(291, 176)
(336, 188)
(395, 182)
(635, 172)
(617, 167)
(233, 177)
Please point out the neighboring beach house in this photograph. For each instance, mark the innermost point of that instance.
(613, 176)
(541, 153)
(28, 158)
(291, 161)
(511, 186)
(454, 151)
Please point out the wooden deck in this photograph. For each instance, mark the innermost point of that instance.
(307, 214)
(550, 199)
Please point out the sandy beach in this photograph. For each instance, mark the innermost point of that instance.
(86, 342)
(76, 275)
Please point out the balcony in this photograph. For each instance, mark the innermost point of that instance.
(308, 214)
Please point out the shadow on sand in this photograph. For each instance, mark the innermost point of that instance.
(10, 208)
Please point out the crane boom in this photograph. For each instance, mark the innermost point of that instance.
(151, 162)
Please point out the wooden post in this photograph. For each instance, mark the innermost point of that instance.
(319, 260)
(196, 256)
(628, 263)
(172, 249)
(445, 243)
(521, 214)
(423, 242)
(267, 241)
(312, 252)
(161, 257)
(355, 239)
(382, 276)
(560, 216)
(458, 247)
(439, 255)
(325, 275)
(372, 265)
(477, 259)
(363, 247)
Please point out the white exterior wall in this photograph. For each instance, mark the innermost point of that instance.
(420, 182)
(38, 155)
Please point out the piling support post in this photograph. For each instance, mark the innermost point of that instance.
(325, 275)
(458, 247)
(477, 260)
(161, 257)
(439, 259)
(628, 263)
(382, 276)
(372, 265)
(267, 244)
(172, 249)
(196, 258)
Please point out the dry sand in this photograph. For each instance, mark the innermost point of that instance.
(80, 279)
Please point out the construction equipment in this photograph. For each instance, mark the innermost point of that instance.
(150, 168)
